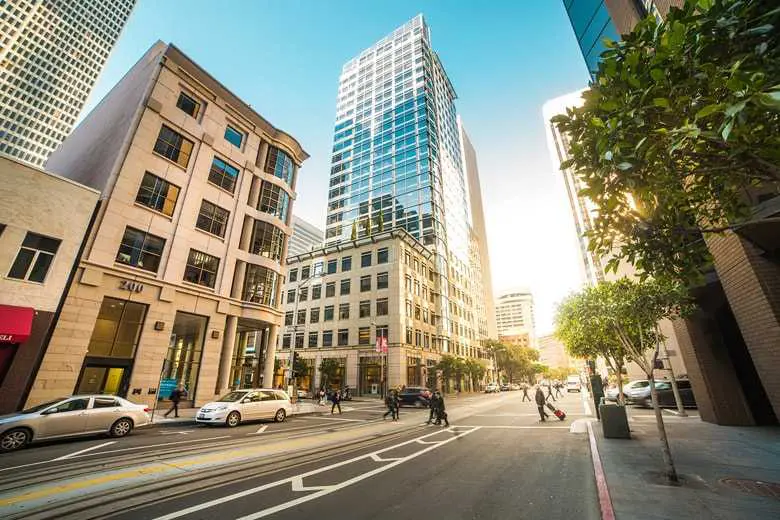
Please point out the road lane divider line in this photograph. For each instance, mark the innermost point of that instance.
(297, 486)
(511, 427)
(75, 453)
(334, 419)
(605, 501)
(330, 489)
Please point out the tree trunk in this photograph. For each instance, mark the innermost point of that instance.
(621, 397)
(671, 473)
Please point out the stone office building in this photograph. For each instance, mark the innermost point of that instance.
(184, 261)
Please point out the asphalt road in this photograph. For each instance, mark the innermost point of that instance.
(496, 460)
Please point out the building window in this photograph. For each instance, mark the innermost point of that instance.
(172, 145)
(345, 286)
(303, 294)
(417, 338)
(288, 318)
(117, 329)
(291, 296)
(330, 289)
(382, 256)
(299, 340)
(34, 258)
(417, 312)
(409, 334)
(332, 266)
(286, 340)
(279, 164)
(313, 338)
(365, 309)
(301, 317)
(327, 338)
(316, 292)
(365, 283)
(346, 263)
(343, 337)
(139, 249)
(201, 269)
(274, 200)
(293, 275)
(212, 219)
(381, 281)
(425, 315)
(409, 308)
(223, 174)
(382, 307)
(364, 335)
(382, 332)
(305, 272)
(365, 259)
(314, 315)
(188, 104)
(268, 241)
(317, 269)
(157, 194)
(328, 315)
(344, 311)
(260, 285)
(233, 136)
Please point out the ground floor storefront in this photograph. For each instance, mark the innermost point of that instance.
(141, 339)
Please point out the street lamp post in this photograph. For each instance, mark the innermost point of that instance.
(291, 379)
(382, 353)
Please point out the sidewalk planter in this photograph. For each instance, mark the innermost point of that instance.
(614, 422)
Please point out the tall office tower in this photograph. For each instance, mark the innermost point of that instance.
(515, 315)
(51, 53)
(397, 164)
(305, 237)
(581, 207)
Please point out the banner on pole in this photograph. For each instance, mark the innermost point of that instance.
(381, 344)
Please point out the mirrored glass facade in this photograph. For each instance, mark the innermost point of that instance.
(591, 23)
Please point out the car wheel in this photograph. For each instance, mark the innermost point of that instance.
(15, 439)
(121, 427)
(280, 416)
(233, 419)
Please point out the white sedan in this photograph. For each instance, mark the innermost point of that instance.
(246, 405)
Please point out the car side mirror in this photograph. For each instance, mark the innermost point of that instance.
(246, 400)
(49, 411)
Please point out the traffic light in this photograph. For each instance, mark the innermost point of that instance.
(294, 364)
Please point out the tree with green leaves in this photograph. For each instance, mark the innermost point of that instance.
(678, 132)
(475, 370)
(329, 369)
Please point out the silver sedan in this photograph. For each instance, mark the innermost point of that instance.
(69, 417)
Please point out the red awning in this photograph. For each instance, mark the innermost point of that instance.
(15, 323)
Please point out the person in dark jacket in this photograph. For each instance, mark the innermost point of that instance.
(441, 413)
(550, 390)
(391, 401)
(336, 399)
(433, 403)
(540, 400)
(176, 397)
(525, 393)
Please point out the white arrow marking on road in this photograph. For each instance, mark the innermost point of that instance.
(260, 430)
(84, 451)
(174, 433)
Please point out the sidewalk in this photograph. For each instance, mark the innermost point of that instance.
(706, 457)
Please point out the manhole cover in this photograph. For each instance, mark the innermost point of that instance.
(753, 487)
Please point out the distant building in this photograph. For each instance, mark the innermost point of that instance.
(553, 353)
(515, 315)
(51, 54)
(305, 237)
(37, 257)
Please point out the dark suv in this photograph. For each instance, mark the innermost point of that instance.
(417, 396)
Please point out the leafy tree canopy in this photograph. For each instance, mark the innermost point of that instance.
(680, 124)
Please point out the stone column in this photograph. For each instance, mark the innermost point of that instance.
(262, 155)
(254, 192)
(238, 280)
(270, 356)
(226, 359)
(246, 233)
(317, 376)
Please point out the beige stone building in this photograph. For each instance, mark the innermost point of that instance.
(340, 299)
(185, 258)
(42, 227)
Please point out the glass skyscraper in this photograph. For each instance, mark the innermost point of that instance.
(592, 23)
(397, 163)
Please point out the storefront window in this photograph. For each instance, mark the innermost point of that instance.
(117, 329)
(185, 349)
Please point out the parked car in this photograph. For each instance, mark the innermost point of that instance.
(505, 387)
(72, 416)
(492, 388)
(514, 386)
(246, 405)
(573, 384)
(666, 395)
(417, 396)
(641, 391)
(612, 392)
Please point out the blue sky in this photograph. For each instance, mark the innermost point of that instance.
(504, 57)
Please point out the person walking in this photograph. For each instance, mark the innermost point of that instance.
(441, 412)
(525, 393)
(540, 400)
(549, 391)
(336, 398)
(389, 403)
(558, 387)
(176, 397)
(433, 404)
(321, 394)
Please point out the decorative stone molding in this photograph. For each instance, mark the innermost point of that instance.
(207, 139)
(93, 277)
(154, 105)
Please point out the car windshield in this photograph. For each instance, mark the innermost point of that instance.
(45, 405)
(232, 397)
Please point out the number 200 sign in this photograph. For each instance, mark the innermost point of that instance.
(131, 286)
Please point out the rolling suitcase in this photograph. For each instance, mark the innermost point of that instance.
(558, 413)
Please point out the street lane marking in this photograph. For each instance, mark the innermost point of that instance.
(326, 489)
(605, 501)
(259, 431)
(515, 427)
(334, 419)
(176, 433)
(84, 451)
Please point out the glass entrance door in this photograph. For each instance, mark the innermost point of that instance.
(103, 378)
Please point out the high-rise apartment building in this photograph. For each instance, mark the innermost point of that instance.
(398, 164)
(51, 54)
(305, 237)
(515, 315)
(184, 262)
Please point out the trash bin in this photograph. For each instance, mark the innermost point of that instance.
(614, 422)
